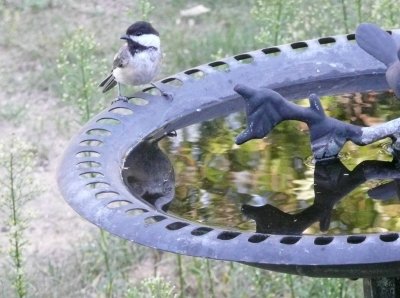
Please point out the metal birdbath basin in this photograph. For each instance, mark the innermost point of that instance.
(115, 176)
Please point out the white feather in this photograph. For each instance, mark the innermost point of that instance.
(147, 40)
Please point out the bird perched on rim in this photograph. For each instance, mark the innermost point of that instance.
(138, 61)
(381, 45)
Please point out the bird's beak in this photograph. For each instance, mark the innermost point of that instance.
(125, 36)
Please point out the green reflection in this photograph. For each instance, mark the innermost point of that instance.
(214, 177)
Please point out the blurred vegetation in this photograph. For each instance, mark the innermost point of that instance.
(78, 69)
(284, 21)
(53, 55)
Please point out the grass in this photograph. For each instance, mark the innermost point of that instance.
(54, 53)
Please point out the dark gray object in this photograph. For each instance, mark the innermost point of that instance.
(266, 108)
(380, 45)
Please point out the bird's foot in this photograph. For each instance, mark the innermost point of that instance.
(120, 98)
(166, 94)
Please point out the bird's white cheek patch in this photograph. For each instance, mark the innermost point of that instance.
(148, 40)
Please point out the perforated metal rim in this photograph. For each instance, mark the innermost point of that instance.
(90, 173)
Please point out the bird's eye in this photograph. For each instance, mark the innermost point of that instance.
(138, 33)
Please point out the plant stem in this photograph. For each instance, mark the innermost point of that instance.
(341, 291)
(344, 11)
(84, 85)
(278, 22)
(210, 278)
(181, 279)
(392, 18)
(359, 16)
(16, 235)
(290, 282)
(104, 250)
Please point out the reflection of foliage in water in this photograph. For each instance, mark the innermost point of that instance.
(215, 176)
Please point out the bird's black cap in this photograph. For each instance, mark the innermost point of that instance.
(140, 28)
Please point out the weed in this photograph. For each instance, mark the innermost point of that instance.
(272, 15)
(154, 287)
(17, 188)
(145, 9)
(79, 70)
(181, 278)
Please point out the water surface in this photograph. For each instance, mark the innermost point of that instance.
(215, 178)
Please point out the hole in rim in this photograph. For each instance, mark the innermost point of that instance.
(271, 51)
(172, 82)
(323, 240)
(355, 239)
(88, 175)
(154, 219)
(118, 204)
(92, 143)
(389, 31)
(299, 46)
(108, 121)
(106, 195)
(87, 153)
(152, 90)
(244, 58)
(257, 238)
(228, 235)
(351, 37)
(389, 237)
(201, 231)
(98, 132)
(121, 111)
(88, 164)
(220, 66)
(138, 101)
(327, 41)
(93, 185)
(136, 211)
(290, 240)
(176, 225)
(195, 73)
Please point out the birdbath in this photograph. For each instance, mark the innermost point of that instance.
(114, 174)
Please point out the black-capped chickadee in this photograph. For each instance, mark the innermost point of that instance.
(138, 61)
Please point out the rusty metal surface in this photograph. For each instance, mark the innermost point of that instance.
(90, 175)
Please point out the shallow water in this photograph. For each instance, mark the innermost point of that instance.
(215, 178)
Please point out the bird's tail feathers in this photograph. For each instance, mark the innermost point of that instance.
(108, 83)
(377, 42)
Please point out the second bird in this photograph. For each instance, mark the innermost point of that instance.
(138, 61)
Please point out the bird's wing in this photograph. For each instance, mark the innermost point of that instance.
(121, 59)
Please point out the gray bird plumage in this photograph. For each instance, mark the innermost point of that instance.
(121, 60)
(138, 61)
